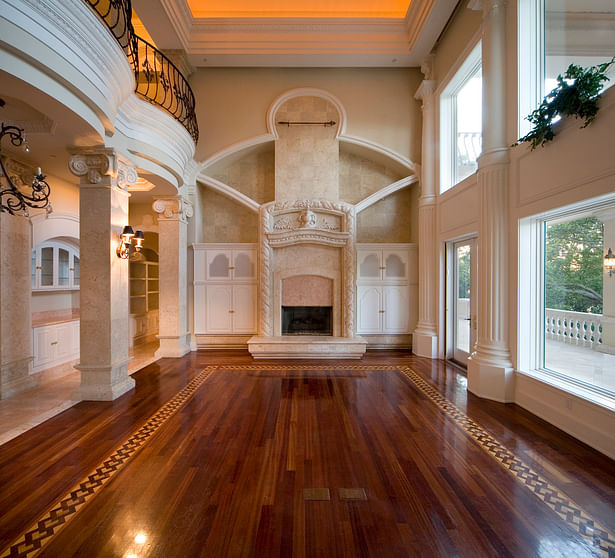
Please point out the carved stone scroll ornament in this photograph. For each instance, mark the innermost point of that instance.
(173, 208)
(91, 167)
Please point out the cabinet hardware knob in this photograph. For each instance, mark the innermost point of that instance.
(381, 311)
(383, 267)
(231, 267)
(54, 342)
(39, 267)
(71, 269)
(231, 311)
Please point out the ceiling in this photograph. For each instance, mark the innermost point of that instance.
(297, 33)
(299, 8)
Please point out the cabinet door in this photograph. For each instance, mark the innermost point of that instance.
(219, 264)
(369, 264)
(244, 308)
(200, 265)
(395, 264)
(244, 265)
(396, 309)
(218, 310)
(369, 315)
(43, 341)
(65, 343)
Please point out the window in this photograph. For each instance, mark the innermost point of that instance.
(567, 301)
(552, 34)
(461, 122)
(55, 265)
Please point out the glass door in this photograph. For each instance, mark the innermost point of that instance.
(462, 299)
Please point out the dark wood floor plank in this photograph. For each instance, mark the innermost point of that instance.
(225, 476)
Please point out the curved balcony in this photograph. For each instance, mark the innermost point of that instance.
(158, 80)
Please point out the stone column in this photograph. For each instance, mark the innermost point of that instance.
(425, 337)
(490, 372)
(608, 287)
(103, 212)
(174, 212)
(15, 315)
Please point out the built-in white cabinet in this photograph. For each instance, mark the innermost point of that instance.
(55, 266)
(384, 276)
(225, 294)
(54, 344)
(144, 294)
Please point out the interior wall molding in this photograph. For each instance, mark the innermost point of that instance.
(229, 192)
(384, 192)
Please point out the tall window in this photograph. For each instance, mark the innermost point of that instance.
(552, 34)
(570, 328)
(461, 122)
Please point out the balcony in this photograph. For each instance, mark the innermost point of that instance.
(572, 340)
(158, 80)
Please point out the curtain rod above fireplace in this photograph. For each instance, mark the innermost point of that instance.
(325, 124)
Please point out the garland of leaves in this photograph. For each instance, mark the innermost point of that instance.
(576, 94)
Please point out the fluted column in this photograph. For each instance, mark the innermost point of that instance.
(173, 214)
(104, 329)
(490, 372)
(425, 337)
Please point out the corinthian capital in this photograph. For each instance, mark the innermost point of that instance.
(93, 164)
(173, 208)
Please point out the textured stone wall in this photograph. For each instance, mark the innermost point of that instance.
(360, 177)
(225, 220)
(307, 157)
(393, 219)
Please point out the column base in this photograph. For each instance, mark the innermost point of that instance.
(491, 381)
(173, 346)
(103, 383)
(425, 344)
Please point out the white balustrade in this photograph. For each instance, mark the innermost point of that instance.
(575, 328)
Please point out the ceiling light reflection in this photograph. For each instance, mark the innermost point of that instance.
(140, 538)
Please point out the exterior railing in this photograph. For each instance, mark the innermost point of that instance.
(158, 79)
(575, 328)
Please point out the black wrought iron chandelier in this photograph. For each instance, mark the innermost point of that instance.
(14, 199)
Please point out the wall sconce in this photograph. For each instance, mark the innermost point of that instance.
(609, 262)
(126, 239)
(15, 199)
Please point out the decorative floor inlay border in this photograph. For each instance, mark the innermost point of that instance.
(575, 516)
(31, 542)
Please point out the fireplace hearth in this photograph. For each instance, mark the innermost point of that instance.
(306, 320)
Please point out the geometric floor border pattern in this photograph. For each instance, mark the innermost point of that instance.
(42, 531)
(31, 542)
(601, 539)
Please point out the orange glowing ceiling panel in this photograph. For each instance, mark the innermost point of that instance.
(299, 8)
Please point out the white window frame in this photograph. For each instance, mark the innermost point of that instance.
(530, 300)
(469, 63)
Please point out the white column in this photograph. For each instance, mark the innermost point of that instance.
(490, 372)
(425, 337)
(174, 212)
(104, 302)
(15, 316)
(608, 288)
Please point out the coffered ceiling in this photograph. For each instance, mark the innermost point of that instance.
(297, 33)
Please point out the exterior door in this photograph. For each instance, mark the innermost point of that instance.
(463, 300)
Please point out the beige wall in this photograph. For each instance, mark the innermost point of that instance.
(232, 103)
(393, 219)
(464, 25)
(224, 220)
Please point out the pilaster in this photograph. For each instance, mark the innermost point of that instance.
(490, 371)
(425, 337)
(608, 288)
(103, 207)
(15, 315)
(173, 215)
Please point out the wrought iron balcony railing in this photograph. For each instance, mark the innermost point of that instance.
(158, 79)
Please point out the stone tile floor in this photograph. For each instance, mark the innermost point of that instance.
(54, 395)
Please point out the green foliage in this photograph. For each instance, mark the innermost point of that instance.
(576, 94)
(573, 265)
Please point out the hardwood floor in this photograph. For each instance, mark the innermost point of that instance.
(214, 455)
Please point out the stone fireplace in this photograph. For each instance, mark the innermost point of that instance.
(307, 258)
(307, 238)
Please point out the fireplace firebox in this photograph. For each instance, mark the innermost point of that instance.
(306, 320)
